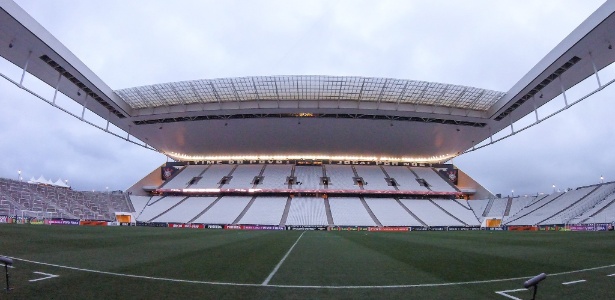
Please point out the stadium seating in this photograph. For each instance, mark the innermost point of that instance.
(307, 211)
(158, 205)
(213, 176)
(182, 179)
(350, 212)
(549, 209)
(308, 177)
(435, 181)
(405, 179)
(430, 213)
(186, 210)
(390, 212)
(461, 212)
(373, 178)
(224, 211)
(497, 208)
(341, 177)
(265, 211)
(243, 177)
(274, 177)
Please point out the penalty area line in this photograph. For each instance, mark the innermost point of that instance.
(275, 270)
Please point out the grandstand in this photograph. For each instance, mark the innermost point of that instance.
(312, 163)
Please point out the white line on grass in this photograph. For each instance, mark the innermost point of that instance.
(504, 293)
(611, 275)
(573, 282)
(275, 270)
(47, 276)
(303, 286)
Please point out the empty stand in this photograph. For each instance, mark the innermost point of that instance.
(341, 177)
(406, 180)
(225, 211)
(350, 212)
(243, 177)
(308, 177)
(390, 213)
(213, 176)
(182, 179)
(186, 210)
(435, 181)
(156, 206)
(265, 211)
(373, 178)
(431, 214)
(459, 211)
(307, 211)
(274, 177)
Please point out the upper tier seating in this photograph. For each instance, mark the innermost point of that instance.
(308, 177)
(435, 181)
(373, 178)
(341, 177)
(213, 176)
(243, 177)
(406, 180)
(274, 177)
(182, 179)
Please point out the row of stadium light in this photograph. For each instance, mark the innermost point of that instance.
(431, 159)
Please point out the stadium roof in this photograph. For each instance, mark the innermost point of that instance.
(308, 116)
(311, 88)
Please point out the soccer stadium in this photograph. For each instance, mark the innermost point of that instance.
(306, 186)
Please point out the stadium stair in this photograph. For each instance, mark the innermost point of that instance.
(599, 211)
(206, 209)
(389, 177)
(286, 209)
(370, 212)
(328, 212)
(488, 208)
(244, 211)
(508, 205)
(447, 212)
(410, 212)
(571, 205)
(535, 209)
(169, 209)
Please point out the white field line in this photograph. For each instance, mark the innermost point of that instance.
(504, 293)
(301, 286)
(47, 276)
(275, 270)
(611, 275)
(573, 282)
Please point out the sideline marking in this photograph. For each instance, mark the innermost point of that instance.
(573, 282)
(304, 286)
(48, 276)
(275, 270)
(504, 293)
(611, 275)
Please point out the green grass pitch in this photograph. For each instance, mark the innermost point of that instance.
(166, 263)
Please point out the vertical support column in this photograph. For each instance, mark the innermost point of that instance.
(512, 129)
(535, 109)
(25, 68)
(85, 103)
(108, 116)
(490, 136)
(561, 84)
(55, 93)
(595, 69)
(128, 136)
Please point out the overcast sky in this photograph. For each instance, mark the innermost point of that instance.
(486, 44)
